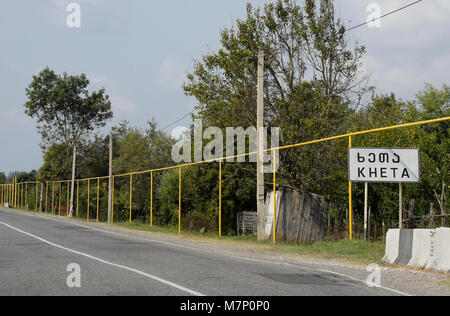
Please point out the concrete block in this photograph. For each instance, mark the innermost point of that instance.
(399, 246)
(405, 246)
(440, 251)
(421, 254)
(428, 248)
(392, 245)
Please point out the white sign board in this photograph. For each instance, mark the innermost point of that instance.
(383, 165)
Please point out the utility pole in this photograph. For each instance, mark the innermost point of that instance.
(110, 178)
(366, 195)
(400, 206)
(16, 191)
(260, 142)
(73, 180)
(41, 198)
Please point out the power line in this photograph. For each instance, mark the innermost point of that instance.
(385, 15)
(182, 118)
(350, 29)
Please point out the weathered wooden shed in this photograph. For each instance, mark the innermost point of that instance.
(301, 217)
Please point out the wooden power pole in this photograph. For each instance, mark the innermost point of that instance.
(366, 198)
(260, 142)
(400, 206)
(74, 160)
(110, 178)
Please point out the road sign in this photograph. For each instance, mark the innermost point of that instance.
(384, 165)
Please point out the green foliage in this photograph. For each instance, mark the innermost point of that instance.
(137, 150)
(56, 165)
(432, 140)
(64, 108)
(196, 198)
(66, 114)
(200, 194)
(298, 43)
(313, 89)
(22, 176)
(305, 117)
(92, 160)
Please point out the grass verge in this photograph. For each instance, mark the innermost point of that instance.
(355, 251)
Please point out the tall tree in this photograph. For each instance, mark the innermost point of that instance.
(300, 43)
(65, 110)
(313, 83)
(435, 141)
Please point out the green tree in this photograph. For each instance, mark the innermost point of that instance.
(432, 140)
(22, 176)
(137, 149)
(435, 143)
(65, 110)
(200, 196)
(56, 166)
(313, 85)
(299, 42)
(92, 159)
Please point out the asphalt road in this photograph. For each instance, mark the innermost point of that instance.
(35, 252)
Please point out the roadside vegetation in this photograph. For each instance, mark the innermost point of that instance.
(316, 87)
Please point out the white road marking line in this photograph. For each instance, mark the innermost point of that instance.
(150, 276)
(352, 278)
(133, 237)
(230, 256)
(326, 271)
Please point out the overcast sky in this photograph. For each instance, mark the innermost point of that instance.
(140, 51)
